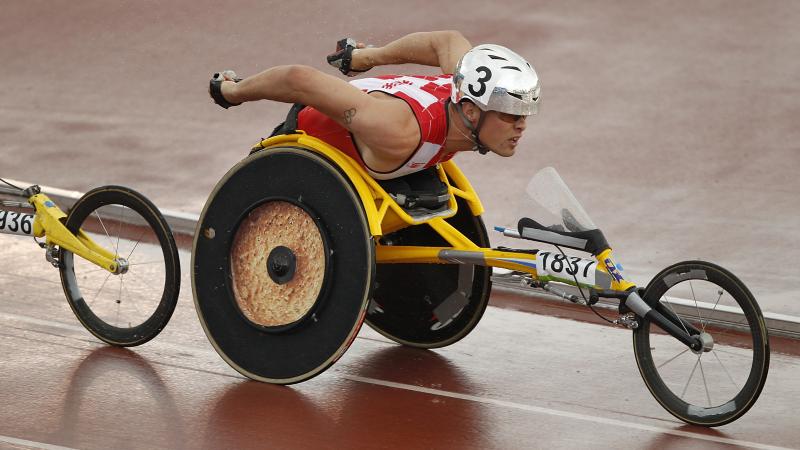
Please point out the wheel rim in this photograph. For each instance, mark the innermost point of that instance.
(720, 383)
(117, 301)
(281, 351)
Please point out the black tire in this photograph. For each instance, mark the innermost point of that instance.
(244, 302)
(732, 373)
(133, 307)
(408, 296)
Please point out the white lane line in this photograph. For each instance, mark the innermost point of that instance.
(32, 444)
(41, 322)
(441, 393)
(186, 351)
(558, 413)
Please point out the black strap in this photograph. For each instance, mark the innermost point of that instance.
(289, 125)
(342, 58)
(428, 201)
(421, 189)
(215, 89)
(474, 131)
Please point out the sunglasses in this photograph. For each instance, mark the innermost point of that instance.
(509, 118)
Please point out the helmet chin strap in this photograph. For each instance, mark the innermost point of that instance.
(474, 131)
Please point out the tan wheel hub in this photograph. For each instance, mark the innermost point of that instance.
(278, 264)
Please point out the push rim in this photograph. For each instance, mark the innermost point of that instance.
(295, 351)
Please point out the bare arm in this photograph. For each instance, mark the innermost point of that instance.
(382, 120)
(295, 84)
(434, 48)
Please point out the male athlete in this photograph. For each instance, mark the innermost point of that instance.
(398, 125)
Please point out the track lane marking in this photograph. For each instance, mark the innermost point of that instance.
(557, 413)
(424, 390)
(32, 444)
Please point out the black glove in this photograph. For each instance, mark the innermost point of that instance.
(215, 88)
(342, 58)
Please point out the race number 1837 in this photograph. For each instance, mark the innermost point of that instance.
(567, 267)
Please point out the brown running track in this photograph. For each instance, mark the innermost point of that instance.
(674, 123)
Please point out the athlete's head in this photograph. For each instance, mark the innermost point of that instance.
(494, 90)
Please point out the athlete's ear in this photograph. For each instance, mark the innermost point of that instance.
(470, 110)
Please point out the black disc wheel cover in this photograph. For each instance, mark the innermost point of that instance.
(287, 354)
(407, 296)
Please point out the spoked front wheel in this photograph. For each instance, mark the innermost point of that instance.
(719, 384)
(132, 307)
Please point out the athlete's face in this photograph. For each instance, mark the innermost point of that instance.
(501, 132)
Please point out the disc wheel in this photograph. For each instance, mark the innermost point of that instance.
(431, 305)
(131, 307)
(283, 264)
(719, 384)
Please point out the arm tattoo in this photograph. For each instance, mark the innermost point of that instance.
(348, 115)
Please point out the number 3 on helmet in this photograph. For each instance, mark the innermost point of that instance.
(497, 79)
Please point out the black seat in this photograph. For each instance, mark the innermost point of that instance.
(421, 189)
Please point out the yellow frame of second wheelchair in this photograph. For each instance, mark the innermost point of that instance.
(384, 215)
(49, 223)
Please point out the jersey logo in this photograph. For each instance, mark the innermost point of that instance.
(394, 84)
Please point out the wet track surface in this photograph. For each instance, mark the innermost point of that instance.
(520, 380)
(675, 124)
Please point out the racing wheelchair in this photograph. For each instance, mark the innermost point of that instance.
(297, 246)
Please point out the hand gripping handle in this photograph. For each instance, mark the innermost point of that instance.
(342, 58)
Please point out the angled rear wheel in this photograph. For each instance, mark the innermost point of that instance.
(431, 305)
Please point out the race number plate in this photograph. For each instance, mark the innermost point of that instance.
(16, 223)
(566, 268)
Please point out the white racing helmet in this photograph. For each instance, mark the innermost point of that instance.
(497, 79)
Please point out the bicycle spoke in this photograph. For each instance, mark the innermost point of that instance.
(727, 352)
(669, 305)
(139, 239)
(119, 299)
(672, 359)
(690, 378)
(133, 302)
(119, 227)
(705, 384)
(720, 292)
(100, 289)
(159, 261)
(700, 316)
(725, 369)
(110, 241)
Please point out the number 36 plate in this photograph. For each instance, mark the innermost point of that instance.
(16, 223)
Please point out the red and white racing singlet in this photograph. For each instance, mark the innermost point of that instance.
(426, 95)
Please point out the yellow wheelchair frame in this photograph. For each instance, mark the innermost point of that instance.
(363, 232)
(65, 237)
(386, 216)
(49, 223)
